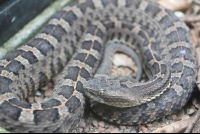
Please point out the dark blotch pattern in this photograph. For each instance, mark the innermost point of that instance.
(156, 68)
(59, 14)
(129, 27)
(107, 2)
(92, 29)
(123, 86)
(157, 57)
(35, 42)
(86, 45)
(48, 28)
(185, 83)
(119, 35)
(146, 42)
(152, 9)
(110, 25)
(163, 69)
(148, 56)
(58, 33)
(13, 55)
(48, 115)
(14, 66)
(81, 57)
(43, 79)
(73, 103)
(177, 67)
(9, 110)
(85, 74)
(171, 14)
(67, 91)
(50, 103)
(173, 36)
(79, 87)
(180, 52)
(85, 5)
(30, 57)
(70, 17)
(167, 22)
(99, 34)
(91, 60)
(44, 47)
(130, 3)
(4, 85)
(72, 73)
(19, 103)
(97, 46)
(183, 34)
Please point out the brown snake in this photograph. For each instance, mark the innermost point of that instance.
(83, 28)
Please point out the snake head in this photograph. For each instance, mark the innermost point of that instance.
(107, 90)
(98, 88)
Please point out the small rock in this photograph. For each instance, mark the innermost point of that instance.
(101, 124)
(44, 88)
(185, 117)
(114, 131)
(96, 131)
(49, 85)
(121, 131)
(107, 130)
(174, 117)
(192, 107)
(48, 92)
(80, 130)
(170, 122)
(91, 127)
(82, 124)
(122, 127)
(180, 114)
(163, 125)
(38, 93)
(30, 99)
(149, 125)
(95, 123)
(133, 131)
(106, 126)
(127, 131)
(155, 123)
(179, 14)
(111, 127)
(163, 119)
(168, 117)
(87, 129)
(190, 111)
(117, 129)
(38, 99)
(101, 129)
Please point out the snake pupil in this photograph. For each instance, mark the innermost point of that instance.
(101, 92)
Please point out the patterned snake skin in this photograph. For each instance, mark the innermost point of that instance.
(77, 28)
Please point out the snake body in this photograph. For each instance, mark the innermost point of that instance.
(75, 36)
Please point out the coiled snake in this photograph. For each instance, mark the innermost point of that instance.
(85, 26)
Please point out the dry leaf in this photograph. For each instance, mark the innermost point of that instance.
(176, 5)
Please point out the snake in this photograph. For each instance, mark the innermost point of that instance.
(71, 44)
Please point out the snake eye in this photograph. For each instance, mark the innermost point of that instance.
(101, 92)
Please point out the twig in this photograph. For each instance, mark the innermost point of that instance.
(193, 122)
(176, 127)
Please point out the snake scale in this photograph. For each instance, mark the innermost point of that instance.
(76, 35)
